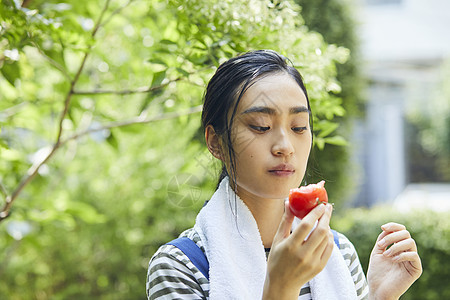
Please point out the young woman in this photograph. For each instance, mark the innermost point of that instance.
(257, 121)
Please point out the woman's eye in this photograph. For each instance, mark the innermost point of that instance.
(299, 129)
(260, 128)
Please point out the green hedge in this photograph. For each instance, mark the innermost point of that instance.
(431, 231)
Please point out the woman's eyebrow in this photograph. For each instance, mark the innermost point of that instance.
(260, 109)
(298, 109)
(272, 111)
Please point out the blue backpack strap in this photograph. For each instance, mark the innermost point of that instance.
(198, 258)
(193, 252)
(336, 238)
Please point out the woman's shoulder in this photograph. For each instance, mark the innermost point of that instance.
(171, 252)
(170, 270)
(193, 235)
(344, 242)
(347, 249)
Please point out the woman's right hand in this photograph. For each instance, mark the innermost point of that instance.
(293, 261)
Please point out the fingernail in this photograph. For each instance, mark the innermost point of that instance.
(387, 252)
(382, 243)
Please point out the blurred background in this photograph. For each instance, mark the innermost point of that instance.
(102, 157)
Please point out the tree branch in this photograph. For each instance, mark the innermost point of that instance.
(133, 121)
(100, 18)
(33, 170)
(138, 90)
(77, 75)
(115, 12)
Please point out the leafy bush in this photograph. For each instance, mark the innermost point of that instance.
(430, 230)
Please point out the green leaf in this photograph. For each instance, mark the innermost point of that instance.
(167, 42)
(131, 129)
(158, 77)
(198, 58)
(157, 61)
(336, 140)
(319, 142)
(56, 55)
(112, 140)
(183, 72)
(11, 71)
(327, 128)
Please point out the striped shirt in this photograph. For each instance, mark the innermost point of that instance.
(171, 275)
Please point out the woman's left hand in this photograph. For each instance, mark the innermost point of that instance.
(392, 271)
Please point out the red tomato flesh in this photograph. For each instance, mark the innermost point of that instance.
(303, 199)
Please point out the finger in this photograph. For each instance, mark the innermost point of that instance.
(287, 209)
(326, 217)
(284, 229)
(325, 247)
(307, 223)
(377, 249)
(323, 252)
(402, 246)
(322, 230)
(328, 250)
(411, 257)
(319, 245)
(412, 263)
(392, 226)
(382, 235)
(393, 237)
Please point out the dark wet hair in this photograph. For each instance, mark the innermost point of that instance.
(228, 85)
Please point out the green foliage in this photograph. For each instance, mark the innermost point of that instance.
(81, 86)
(430, 230)
(335, 21)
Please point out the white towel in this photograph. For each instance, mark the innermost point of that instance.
(334, 282)
(237, 260)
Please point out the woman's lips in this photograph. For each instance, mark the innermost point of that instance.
(282, 170)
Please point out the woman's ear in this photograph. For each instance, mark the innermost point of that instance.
(213, 142)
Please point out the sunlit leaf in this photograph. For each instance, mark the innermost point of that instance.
(336, 140)
(183, 72)
(167, 42)
(57, 55)
(158, 78)
(11, 71)
(327, 128)
(157, 61)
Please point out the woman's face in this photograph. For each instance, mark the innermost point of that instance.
(271, 138)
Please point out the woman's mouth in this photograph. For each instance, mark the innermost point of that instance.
(282, 170)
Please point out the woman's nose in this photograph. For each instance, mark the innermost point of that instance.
(282, 145)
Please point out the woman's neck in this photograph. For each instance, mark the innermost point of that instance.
(267, 213)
